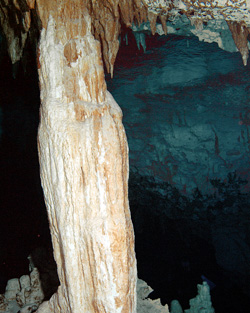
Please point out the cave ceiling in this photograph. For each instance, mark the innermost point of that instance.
(225, 22)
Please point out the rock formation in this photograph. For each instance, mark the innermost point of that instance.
(25, 295)
(22, 295)
(202, 302)
(145, 304)
(20, 18)
(240, 33)
(84, 172)
(82, 144)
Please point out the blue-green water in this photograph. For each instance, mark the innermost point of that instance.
(186, 111)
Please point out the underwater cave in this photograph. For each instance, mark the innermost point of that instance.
(186, 113)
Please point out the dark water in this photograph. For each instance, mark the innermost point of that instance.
(174, 248)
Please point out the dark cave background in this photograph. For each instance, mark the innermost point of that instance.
(173, 245)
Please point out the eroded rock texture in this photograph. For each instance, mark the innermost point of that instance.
(82, 145)
(22, 295)
(15, 21)
(84, 171)
(108, 17)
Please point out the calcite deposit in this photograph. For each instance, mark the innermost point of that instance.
(25, 295)
(144, 303)
(84, 171)
(240, 32)
(202, 302)
(82, 143)
(109, 17)
(22, 295)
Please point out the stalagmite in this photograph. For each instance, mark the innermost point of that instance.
(84, 171)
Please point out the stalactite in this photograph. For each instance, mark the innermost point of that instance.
(106, 27)
(197, 22)
(240, 33)
(163, 19)
(107, 17)
(31, 3)
(140, 40)
(132, 11)
(127, 12)
(152, 17)
(140, 15)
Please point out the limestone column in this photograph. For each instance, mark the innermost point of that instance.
(83, 157)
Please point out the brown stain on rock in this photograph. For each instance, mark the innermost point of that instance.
(70, 52)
